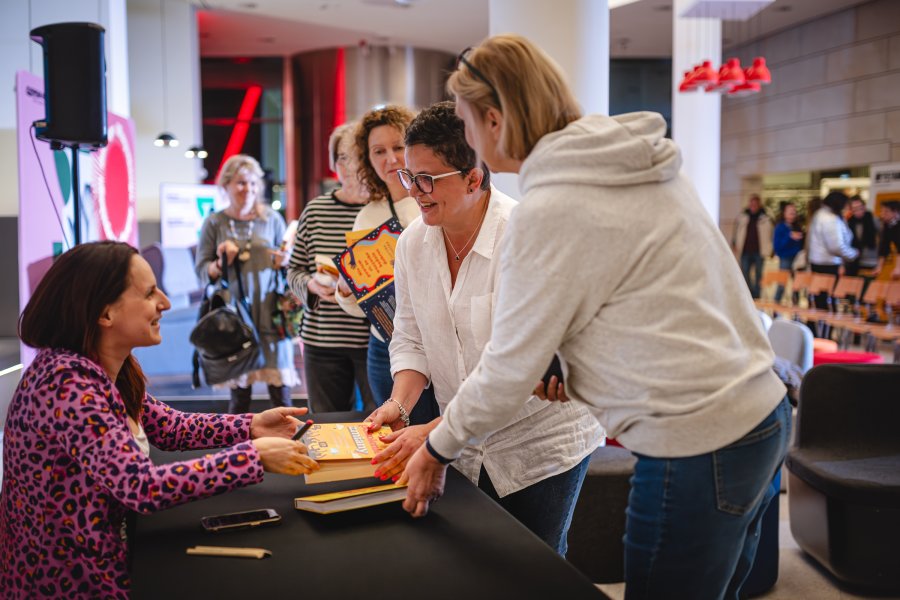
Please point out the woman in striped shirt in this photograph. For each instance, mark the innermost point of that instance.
(334, 342)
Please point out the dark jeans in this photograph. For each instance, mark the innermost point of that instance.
(692, 523)
(821, 299)
(382, 384)
(280, 395)
(332, 375)
(752, 263)
(544, 507)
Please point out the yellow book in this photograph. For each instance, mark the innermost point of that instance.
(343, 450)
(326, 504)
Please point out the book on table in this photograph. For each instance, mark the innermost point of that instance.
(334, 502)
(343, 450)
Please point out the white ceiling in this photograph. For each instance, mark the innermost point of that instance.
(283, 27)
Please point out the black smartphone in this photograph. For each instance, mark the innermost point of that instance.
(555, 369)
(239, 520)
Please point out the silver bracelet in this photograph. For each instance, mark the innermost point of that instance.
(404, 415)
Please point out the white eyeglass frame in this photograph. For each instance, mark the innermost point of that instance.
(414, 179)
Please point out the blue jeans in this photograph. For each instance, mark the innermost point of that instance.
(692, 524)
(378, 364)
(754, 263)
(784, 263)
(544, 507)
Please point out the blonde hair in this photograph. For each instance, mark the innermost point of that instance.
(236, 163)
(398, 117)
(334, 142)
(517, 69)
(231, 168)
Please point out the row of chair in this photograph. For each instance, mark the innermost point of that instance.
(853, 308)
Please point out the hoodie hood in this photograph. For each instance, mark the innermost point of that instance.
(628, 149)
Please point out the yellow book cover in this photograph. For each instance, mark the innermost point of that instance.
(343, 450)
(351, 499)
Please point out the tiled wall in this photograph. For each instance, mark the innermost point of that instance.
(834, 101)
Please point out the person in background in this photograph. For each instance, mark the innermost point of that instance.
(888, 266)
(440, 331)
(77, 439)
(787, 241)
(865, 236)
(752, 242)
(334, 343)
(651, 316)
(829, 241)
(250, 232)
(379, 143)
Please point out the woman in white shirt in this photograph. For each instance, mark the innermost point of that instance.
(379, 141)
(830, 240)
(446, 277)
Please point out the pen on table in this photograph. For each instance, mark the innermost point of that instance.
(303, 429)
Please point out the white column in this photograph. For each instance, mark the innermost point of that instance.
(697, 115)
(575, 33)
(173, 107)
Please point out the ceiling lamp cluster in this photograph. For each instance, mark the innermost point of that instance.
(730, 79)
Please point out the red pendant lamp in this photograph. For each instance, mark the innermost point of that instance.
(759, 72)
(705, 75)
(730, 75)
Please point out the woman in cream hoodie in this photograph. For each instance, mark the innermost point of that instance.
(652, 317)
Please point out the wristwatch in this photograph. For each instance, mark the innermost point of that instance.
(404, 415)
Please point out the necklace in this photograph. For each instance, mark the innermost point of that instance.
(244, 254)
(471, 237)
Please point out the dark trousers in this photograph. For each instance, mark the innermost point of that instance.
(332, 375)
(821, 300)
(280, 395)
(545, 507)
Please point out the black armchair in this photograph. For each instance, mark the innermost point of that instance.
(844, 473)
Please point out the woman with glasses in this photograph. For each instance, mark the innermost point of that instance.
(379, 144)
(446, 280)
(652, 316)
(334, 343)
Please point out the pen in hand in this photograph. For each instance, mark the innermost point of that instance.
(303, 429)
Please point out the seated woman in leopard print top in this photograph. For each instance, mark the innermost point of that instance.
(74, 448)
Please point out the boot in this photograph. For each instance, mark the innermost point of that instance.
(240, 400)
(280, 395)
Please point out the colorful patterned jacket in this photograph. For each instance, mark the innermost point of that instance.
(72, 470)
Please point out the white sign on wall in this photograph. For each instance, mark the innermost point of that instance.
(183, 207)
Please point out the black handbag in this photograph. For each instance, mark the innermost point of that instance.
(225, 340)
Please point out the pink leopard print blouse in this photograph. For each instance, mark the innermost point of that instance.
(72, 470)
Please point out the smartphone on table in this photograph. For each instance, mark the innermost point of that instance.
(240, 520)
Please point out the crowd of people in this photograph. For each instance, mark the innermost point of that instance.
(489, 290)
(843, 237)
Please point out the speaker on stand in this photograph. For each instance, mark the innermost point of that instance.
(74, 93)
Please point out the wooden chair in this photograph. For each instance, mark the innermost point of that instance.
(889, 332)
(769, 283)
(847, 288)
(820, 283)
(799, 285)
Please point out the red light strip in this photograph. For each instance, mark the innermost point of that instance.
(242, 124)
(340, 92)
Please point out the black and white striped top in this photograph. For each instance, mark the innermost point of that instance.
(321, 230)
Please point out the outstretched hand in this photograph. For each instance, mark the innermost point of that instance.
(403, 444)
(386, 414)
(425, 478)
(276, 422)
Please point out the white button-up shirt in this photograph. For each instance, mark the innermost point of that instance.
(440, 331)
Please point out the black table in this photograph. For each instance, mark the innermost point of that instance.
(466, 548)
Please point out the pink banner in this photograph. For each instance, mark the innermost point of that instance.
(46, 213)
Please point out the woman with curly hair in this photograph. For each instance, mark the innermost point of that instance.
(379, 141)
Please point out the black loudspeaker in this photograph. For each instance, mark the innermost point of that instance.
(74, 84)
